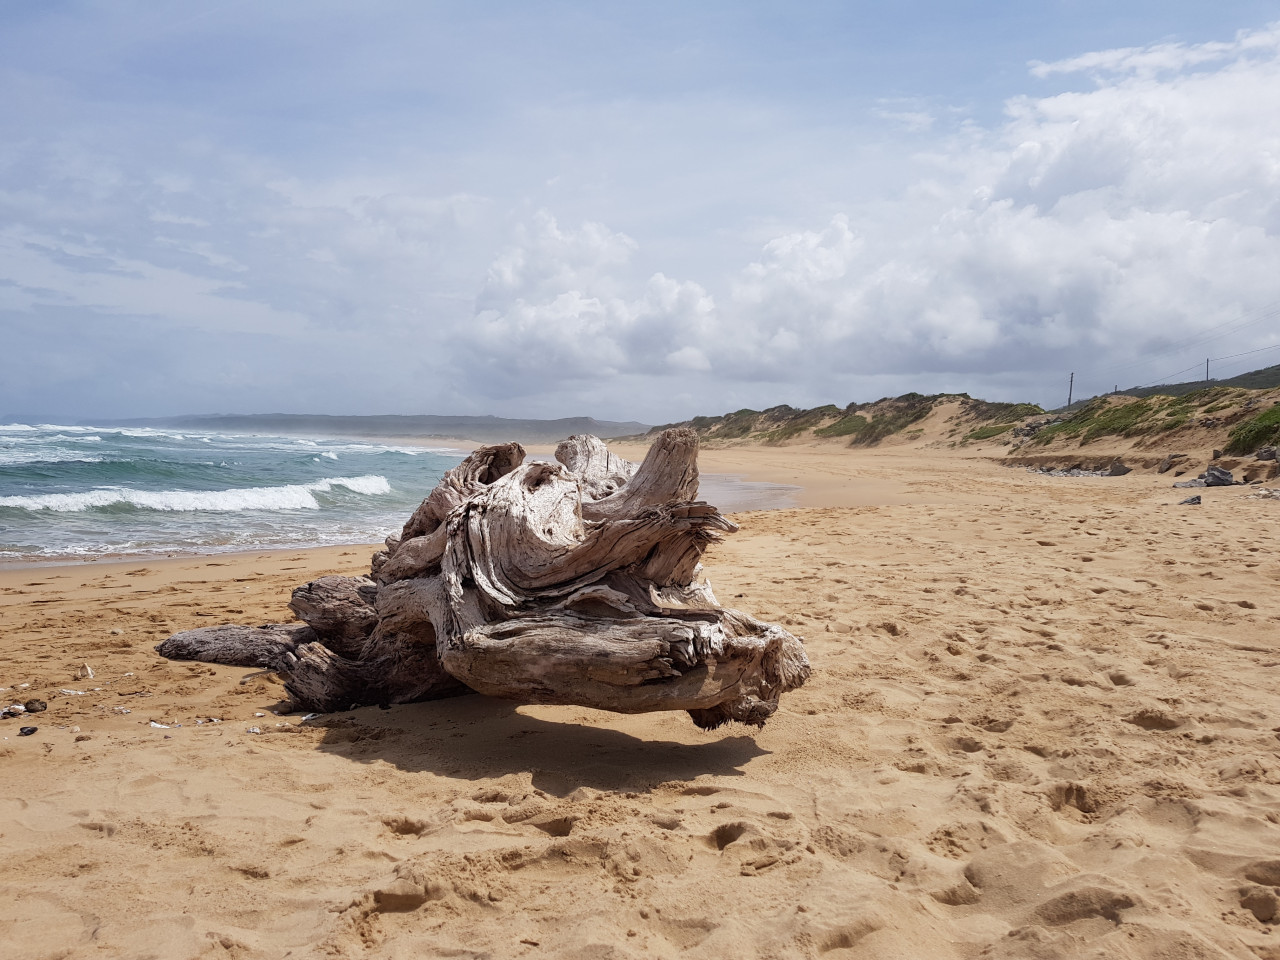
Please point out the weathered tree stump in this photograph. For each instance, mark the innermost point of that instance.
(576, 582)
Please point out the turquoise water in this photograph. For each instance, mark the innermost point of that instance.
(69, 492)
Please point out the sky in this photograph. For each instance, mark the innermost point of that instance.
(642, 210)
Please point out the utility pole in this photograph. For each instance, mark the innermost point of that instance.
(1206, 369)
(1071, 387)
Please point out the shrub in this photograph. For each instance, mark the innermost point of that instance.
(987, 432)
(1002, 412)
(1123, 419)
(1261, 431)
(844, 427)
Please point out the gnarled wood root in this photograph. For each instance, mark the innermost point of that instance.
(576, 582)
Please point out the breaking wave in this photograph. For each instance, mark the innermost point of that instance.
(287, 497)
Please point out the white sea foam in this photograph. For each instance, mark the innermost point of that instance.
(10, 458)
(330, 455)
(65, 438)
(64, 428)
(370, 485)
(288, 497)
(143, 433)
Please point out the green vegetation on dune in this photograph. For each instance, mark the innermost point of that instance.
(1119, 415)
(1001, 412)
(798, 421)
(1102, 417)
(986, 433)
(887, 424)
(854, 423)
(1125, 420)
(1261, 431)
(1215, 407)
(1000, 417)
(864, 424)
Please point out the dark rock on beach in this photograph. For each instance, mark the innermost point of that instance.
(1217, 477)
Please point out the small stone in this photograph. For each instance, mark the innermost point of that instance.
(35, 706)
(1216, 454)
(1193, 501)
(27, 731)
(1266, 453)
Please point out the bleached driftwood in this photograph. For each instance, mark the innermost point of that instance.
(576, 582)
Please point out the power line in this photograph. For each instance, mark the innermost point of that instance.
(1167, 378)
(1248, 353)
(1266, 312)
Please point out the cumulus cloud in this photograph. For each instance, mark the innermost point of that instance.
(317, 238)
(1091, 230)
(557, 305)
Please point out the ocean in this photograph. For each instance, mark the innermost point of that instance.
(79, 492)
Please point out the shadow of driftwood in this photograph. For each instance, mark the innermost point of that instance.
(475, 737)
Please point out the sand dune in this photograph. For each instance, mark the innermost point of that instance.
(1041, 724)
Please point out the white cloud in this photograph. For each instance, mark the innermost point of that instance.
(555, 306)
(711, 240)
(1161, 58)
(1089, 231)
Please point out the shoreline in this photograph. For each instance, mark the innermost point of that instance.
(459, 446)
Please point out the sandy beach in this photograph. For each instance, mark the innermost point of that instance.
(1042, 723)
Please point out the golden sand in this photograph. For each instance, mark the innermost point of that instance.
(1041, 724)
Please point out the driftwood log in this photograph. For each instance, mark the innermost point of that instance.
(574, 582)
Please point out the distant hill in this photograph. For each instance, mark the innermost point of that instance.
(1228, 416)
(488, 429)
(1234, 413)
(1263, 379)
(858, 424)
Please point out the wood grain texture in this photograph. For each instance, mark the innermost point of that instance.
(572, 582)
